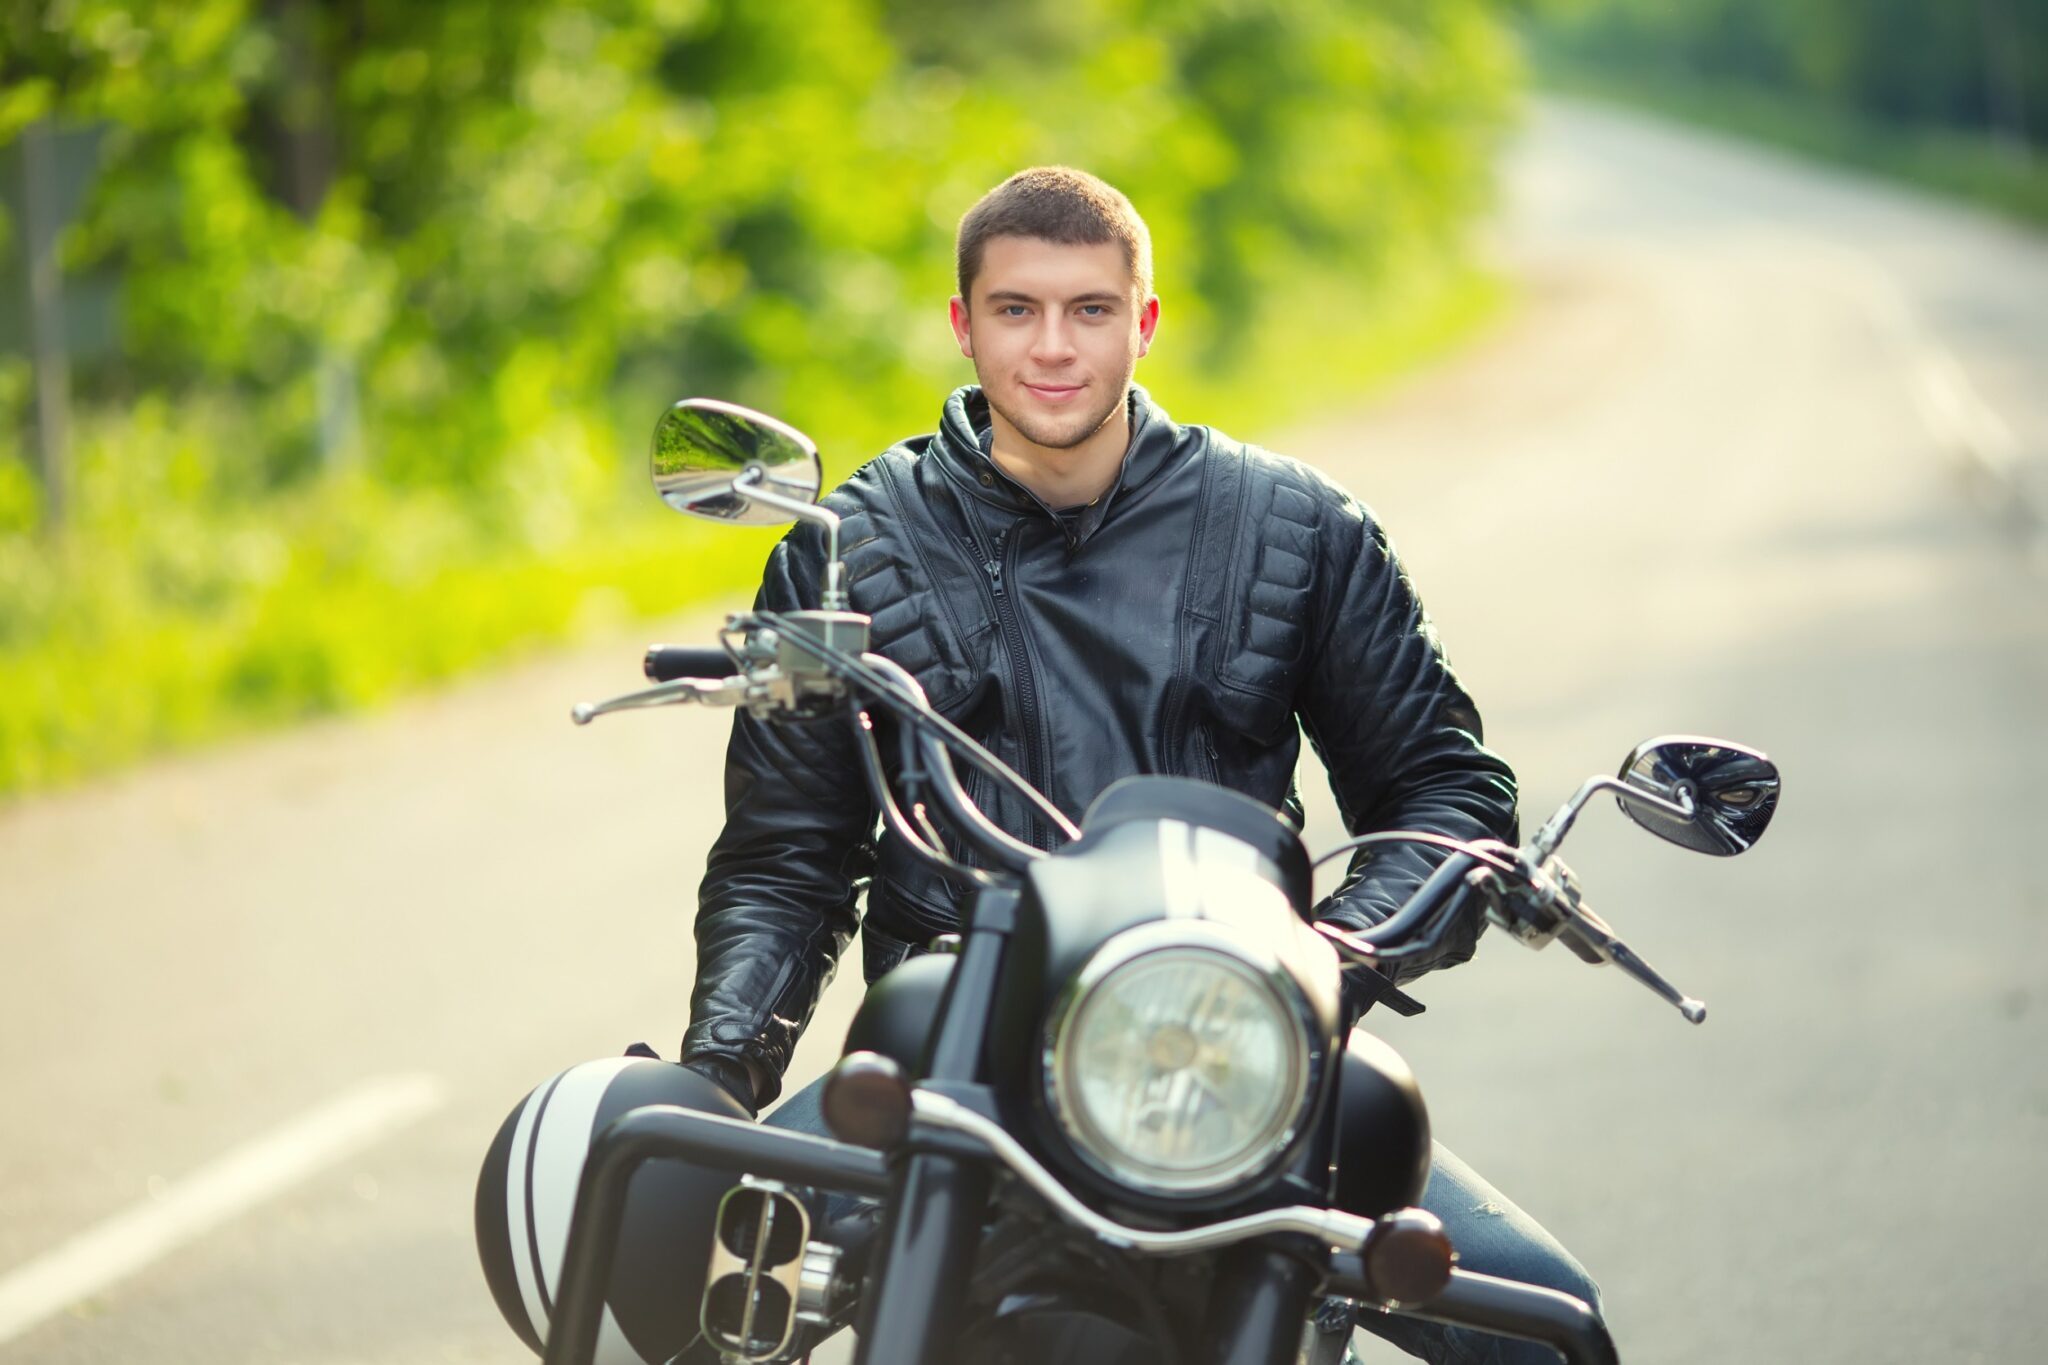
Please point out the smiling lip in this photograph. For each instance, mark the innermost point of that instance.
(1054, 393)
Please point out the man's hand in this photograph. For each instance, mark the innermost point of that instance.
(1366, 985)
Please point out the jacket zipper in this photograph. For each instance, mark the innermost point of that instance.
(1036, 771)
(1204, 755)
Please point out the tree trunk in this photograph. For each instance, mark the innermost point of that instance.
(47, 352)
(2005, 84)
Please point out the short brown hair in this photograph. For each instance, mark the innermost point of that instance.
(1054, 204)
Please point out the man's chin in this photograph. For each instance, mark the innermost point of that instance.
(1061, 434)
(1056, 438)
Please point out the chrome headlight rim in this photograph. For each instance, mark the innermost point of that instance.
(1252, 962)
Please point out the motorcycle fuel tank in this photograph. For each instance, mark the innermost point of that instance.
(527, 1189)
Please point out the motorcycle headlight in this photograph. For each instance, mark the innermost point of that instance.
(1178, 1066)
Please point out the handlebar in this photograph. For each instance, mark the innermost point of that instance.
(666, 663)
(795, 661)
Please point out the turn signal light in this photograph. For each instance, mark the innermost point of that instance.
(867, 1101)
(1408, 1256)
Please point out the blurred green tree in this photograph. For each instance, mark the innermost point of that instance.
(1967, 64)
(472, 245)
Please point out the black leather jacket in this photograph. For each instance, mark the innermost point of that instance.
(1180, 624)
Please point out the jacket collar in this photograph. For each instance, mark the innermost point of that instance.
(963, 442)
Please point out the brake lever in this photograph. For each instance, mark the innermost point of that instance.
(709, 691)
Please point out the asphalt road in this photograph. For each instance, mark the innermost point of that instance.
(1750, 461)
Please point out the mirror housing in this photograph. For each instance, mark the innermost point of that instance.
(706, 451)
(1733, 791)
(724, 462)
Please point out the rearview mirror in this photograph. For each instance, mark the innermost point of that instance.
(704, 448)
(1733, 792)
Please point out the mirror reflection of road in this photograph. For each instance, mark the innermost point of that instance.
(1742, 465)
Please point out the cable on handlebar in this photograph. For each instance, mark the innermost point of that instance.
(911, 777)
(1486, 852)
(973, 823)
(878, 786)
(911, 710)
(1431, 940)
(1433, 900)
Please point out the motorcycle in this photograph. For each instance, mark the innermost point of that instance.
(1122, 1115)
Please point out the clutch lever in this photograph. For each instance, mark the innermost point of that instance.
(709, 691)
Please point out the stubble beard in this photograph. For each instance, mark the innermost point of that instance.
(1059, 433)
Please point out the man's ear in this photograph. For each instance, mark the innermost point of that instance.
(1148, 323)
(957, 312)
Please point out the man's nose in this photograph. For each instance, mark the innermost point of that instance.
(1053, 342)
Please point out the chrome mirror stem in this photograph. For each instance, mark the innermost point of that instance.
(1545, 841)
(833, 597)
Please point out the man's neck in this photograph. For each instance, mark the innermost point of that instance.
(1072, 477)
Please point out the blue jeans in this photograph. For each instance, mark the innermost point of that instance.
(1492, 1236)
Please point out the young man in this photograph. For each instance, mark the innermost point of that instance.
(1093, 591)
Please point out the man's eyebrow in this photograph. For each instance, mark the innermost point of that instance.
(1018, 296)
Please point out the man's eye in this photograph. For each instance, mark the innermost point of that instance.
(1013, 310)
(1095, 310)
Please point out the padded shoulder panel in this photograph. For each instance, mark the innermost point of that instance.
(889, 578)
(1273, 583)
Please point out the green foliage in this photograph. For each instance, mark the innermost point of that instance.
(1931, 93)
(1963, 165)
(1935, 64)
(405, 284)
(176, 618)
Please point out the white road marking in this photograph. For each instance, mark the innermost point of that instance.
(1957, 417)
(210, 1196)
(1949, 405)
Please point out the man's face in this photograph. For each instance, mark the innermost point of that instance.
(1055, 333)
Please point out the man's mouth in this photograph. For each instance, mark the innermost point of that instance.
(1053, 393)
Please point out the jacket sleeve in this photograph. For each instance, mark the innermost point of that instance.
(1399, 736)
(777, 904)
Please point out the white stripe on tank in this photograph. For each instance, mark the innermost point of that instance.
(558, 1151)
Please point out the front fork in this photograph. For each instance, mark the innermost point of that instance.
(911, 1312)
(1262, 1296)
